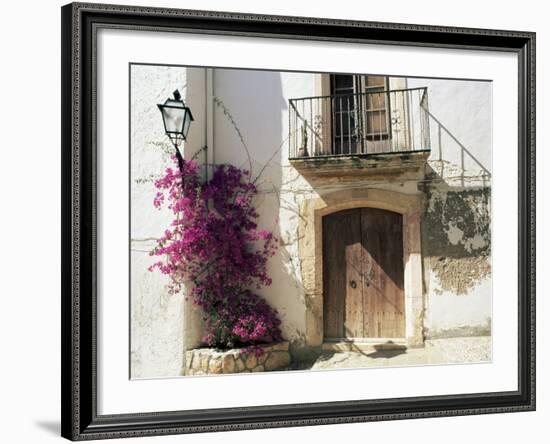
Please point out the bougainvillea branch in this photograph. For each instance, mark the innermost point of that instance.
(214, 243)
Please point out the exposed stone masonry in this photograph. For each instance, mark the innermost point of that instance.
(207, 361)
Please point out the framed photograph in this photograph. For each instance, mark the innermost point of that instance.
(275, 221)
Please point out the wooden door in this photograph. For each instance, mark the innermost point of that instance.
(363, 275)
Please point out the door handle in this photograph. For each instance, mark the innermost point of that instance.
(353, 284)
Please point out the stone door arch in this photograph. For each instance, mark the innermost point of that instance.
(311, 254)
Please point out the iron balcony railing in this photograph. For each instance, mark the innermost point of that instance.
(359, 124)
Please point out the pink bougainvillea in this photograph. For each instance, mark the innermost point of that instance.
(214, 244)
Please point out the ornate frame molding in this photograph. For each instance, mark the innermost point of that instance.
(80, 418)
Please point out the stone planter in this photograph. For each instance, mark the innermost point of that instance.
(208, 361)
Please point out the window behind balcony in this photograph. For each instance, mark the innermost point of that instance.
(360, 113)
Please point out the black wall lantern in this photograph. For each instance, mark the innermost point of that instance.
(177, 119)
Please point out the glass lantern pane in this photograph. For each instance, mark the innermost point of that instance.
(173, 119)
(187, 124)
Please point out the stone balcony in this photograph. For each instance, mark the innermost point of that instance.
(386, 166)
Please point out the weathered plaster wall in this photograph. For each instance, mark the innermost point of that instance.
(456, 226)
(457, 260)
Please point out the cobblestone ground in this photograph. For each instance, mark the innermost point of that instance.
(439, 351)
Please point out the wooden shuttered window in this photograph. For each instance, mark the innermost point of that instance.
(360, 112)
(376, 107)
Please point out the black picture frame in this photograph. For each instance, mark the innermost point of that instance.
(80, 420)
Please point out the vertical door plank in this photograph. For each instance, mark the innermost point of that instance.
(341, 238)
(354, 315)
(382, 239)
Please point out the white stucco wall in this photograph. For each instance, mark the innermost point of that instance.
(157, 318)
(460, 124)
(257, 104)
(449, 312)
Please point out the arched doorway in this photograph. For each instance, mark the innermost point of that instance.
(363, 275)
(312, 250)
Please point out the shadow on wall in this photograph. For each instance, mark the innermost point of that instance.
(466, 158)
(195, 98)
(249, 113)
(456, 227)
(250, 109)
